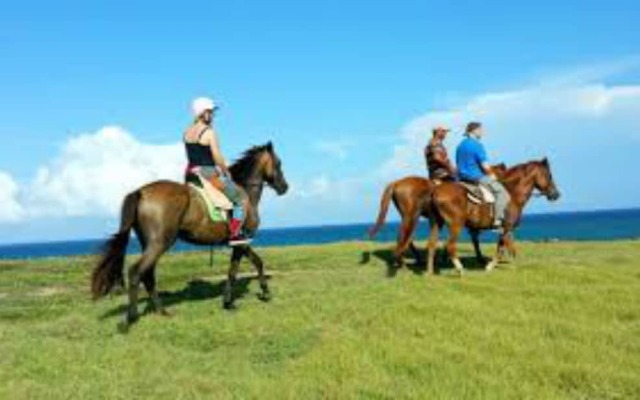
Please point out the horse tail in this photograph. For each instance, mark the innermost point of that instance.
(384, 208)
(108, 271)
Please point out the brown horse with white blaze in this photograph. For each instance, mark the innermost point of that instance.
(162, 212)
(449, 204)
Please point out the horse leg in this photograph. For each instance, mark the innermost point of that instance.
(416, 253)
(498, 255)
(511, 245)
(257, 262)
(146, 261)
(236, 255)
(431, 248)
(454, 232)
(475, 238)
(501, 248)
(504, 242)
(148, 278)
(407, 227)
(149, 282)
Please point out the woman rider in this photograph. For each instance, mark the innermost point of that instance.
(205, 159)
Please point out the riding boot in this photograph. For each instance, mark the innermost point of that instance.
(236, 235)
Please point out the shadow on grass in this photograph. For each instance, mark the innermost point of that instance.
(196, 290)
(418, 266)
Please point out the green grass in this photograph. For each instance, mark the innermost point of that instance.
(561, 322)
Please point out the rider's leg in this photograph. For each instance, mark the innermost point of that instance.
(227, 186)
(502, 198)
(231, 190)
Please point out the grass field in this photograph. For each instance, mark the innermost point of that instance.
(562, 322)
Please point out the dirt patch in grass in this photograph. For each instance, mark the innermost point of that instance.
(48, 291)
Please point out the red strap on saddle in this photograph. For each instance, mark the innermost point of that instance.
(191, 169)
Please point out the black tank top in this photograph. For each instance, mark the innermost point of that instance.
(199, 154)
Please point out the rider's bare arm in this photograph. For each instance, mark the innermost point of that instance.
(441, 159)
(211, 137)
(488, 170)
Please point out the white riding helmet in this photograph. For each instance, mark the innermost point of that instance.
(202, 104)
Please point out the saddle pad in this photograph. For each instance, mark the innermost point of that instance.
(479, 194)
(215, 196)
(216, 214)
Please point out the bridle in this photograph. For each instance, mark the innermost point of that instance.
(253, 183)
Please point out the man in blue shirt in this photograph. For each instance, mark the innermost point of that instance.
(473, 166)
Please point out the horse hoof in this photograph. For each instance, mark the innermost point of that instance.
(229, 306)
(123, 327)
(165, 313)
(131, 318)
(265, 297)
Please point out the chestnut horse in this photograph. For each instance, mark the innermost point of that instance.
(410, 196)
(449, 204)
(163, 211)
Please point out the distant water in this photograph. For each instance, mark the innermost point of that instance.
(596, 225)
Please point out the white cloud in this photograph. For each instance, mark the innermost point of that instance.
(93, 173)
(317, 187)
(529, 123)
(10, 208)
(597, 72)
(335, 148)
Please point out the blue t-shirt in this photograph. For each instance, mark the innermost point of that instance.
(470, 156)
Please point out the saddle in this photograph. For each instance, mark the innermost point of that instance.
(218, 205)
(478, 193)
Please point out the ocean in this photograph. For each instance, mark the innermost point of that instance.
(592, 225)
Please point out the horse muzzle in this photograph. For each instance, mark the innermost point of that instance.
(281, 189)
(553, 195)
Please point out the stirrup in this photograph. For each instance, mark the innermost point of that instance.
(239, 240)
(498, 227)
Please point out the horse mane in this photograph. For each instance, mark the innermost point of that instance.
(244, 166)
(522, 169)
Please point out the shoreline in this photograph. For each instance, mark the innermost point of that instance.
(390, 222)
(218, 250)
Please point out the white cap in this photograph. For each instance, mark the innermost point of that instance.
(202, 104)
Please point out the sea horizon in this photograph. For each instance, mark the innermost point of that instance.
(612, 224)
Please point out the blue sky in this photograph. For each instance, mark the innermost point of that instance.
(340, 87)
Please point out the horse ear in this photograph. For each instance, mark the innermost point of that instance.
(269, 146)
(545, 161)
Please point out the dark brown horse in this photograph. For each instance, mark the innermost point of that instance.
(449, 204)
(163, 211)
(410, 196)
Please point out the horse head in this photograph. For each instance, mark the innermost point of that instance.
(544, 181)
(499, 170)
(259, 165)
(272, 170)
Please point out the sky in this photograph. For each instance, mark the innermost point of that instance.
(95, 96)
